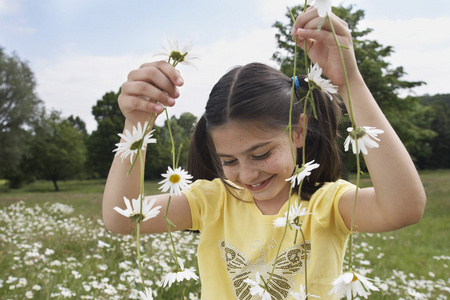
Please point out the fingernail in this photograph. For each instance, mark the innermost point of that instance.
(159, 108)
(179, 81)
(170, 101)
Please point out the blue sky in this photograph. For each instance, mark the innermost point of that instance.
(81, 49)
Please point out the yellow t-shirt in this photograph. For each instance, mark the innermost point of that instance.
(237, 241)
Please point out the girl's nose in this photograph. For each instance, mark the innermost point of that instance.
(248, 174)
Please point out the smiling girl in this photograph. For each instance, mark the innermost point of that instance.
(240, 158)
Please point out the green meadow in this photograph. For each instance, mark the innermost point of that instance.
(53, 245)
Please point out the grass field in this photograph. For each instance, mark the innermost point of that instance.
(50, 249)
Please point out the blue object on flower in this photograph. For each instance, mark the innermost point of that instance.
(297, 83)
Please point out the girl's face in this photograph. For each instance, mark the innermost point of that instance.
(257, 159)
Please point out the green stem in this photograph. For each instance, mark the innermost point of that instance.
(282, 238)
(171, 140)
(358, 163)
(306, 262)
(347, 85)
(139, 254)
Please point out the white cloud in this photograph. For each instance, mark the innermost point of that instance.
(73, 83)
(420, 47)
(8, 7)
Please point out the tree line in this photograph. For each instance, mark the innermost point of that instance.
(41, 144)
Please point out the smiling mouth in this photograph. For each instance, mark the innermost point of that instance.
(258, 186)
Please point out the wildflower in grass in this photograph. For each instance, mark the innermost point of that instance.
(301, 173)
(133, 140)
(184, 274)
(302, 295)
(257, 287)
(364, 136)
(29, 295)
(323, 7)
(351, 285)
(147, 294)
(177, 53)
(133, 211)
(49, 252)
(101, 244)
(316, 80)
(295, 212)
(176, 181)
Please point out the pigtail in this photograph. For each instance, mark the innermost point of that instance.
(202, 163)
(321, 142)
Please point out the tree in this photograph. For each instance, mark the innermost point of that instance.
(18, 107)
(440, 146)
(58, 150)
(159, 155)
(101, 142)
(408, 117)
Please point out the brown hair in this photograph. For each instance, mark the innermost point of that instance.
(257, 92)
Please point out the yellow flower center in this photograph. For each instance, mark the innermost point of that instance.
(354, 278)
(175, 178)
(135, 145)
(358, 133)
(177, 56)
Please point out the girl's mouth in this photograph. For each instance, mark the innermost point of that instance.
(258, 186)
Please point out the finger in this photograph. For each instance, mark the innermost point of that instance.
(311, 20)
(310, 31)
(155, 77)
(134, 104)
(147, 91)
(167, 69)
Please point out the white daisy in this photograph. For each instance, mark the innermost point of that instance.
(256, 287)
(147, 294)
(176, 181)
(364, 135)
(315, 78)
(133, 211)
(352, 284)
(323, 7)
(132, 140)
(302, 295)
(295, 212)
(184, 274)
(177, 54)
(301, 173)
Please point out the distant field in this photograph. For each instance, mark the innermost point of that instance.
(49, 248)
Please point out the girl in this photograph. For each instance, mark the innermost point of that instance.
(241, 157)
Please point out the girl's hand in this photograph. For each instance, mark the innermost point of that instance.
(148, 89)
(321, 45)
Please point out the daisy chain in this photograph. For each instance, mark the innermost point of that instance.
(175, 181)
(133, 211)
(256, 288)
(295, 212)
(177, 54)
(323, 7)
(349, 284)
(184, 274)
(364, 136)
(132, 141)
(301, 173)
(315, 78)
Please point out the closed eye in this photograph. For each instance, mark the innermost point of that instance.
(229, 162)
(262, 157)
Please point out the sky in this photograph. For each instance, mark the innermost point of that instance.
(81, 49)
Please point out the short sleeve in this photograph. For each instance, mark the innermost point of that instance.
(325, 205)
(205, 201)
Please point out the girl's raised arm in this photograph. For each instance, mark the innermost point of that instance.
(156, 81)
(397, 198)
